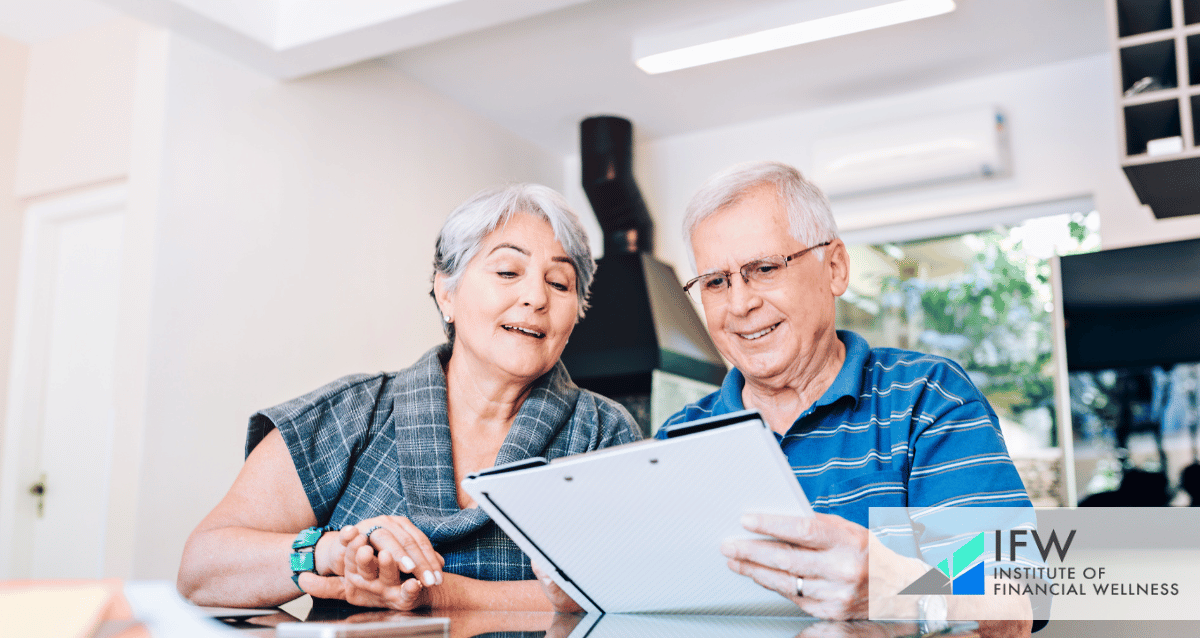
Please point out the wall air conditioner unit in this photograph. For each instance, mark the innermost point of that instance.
(920, 152)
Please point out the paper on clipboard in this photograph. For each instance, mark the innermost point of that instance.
(637, 528)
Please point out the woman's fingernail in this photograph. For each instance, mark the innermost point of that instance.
(429, 579)
(749, 520)
(728, 549)
(547, 581)
(438, 574)
(408, 563)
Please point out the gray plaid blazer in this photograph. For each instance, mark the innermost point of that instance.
(371, 445)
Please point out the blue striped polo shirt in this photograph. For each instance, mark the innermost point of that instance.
(895, 429)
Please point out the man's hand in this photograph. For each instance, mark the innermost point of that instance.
(561, 602)
(828, 553)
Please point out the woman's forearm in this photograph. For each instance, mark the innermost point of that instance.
(460, 592)
(238, 567)
(240, 554)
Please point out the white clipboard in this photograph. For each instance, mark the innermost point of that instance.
(638, 527)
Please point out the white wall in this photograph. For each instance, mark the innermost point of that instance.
(78, 116)
(1063, 137)
(74, 130)
(294, 241)
(13, 60)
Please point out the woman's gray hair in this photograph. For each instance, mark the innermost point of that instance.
(809, 216)
(462, 235)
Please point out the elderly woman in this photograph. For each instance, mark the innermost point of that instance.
(351, 491)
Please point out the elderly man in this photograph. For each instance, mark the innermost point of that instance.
(861, 427)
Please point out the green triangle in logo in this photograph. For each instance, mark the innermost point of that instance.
(965, 555)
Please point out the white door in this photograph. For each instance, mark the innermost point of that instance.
(61, 400)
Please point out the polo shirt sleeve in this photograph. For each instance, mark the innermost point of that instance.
(324, 430)
(958, 459)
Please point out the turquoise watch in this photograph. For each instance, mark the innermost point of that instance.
(304, 553)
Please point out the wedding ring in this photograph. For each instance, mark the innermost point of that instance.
(799, 587)
(371, 531)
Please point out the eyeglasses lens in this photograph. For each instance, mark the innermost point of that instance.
(761, 273)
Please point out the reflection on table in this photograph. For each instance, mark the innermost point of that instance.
(143, 609)
(473, 624)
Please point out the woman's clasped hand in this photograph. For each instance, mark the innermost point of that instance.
(391, 567)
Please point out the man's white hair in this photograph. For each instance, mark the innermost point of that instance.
(809, 216)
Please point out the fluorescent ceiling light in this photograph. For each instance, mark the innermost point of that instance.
(781, 37)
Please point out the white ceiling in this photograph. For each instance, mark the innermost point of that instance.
(539, 66)
(540, 76)
(33, 21)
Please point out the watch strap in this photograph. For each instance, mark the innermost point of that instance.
(308, 538)
(303, 557)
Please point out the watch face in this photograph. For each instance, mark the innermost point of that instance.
(938, 607)
(933, 613)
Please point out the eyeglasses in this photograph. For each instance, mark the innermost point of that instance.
(760, 273)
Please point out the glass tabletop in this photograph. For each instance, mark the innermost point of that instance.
(479, 624)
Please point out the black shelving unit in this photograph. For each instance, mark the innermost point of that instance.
(1157, 75)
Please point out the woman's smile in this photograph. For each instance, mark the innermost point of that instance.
(524, 329)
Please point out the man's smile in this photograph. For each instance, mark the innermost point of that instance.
(751, 336)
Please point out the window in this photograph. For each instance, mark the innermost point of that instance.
(984, 300)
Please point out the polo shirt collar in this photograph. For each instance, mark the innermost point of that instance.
(848, 382)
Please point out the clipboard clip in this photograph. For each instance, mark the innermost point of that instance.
(713, 422)
(533, 461)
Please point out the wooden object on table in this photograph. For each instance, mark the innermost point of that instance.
(64, 609)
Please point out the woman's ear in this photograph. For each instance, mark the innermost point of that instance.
(441, 294)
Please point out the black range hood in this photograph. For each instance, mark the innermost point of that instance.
(640, 319)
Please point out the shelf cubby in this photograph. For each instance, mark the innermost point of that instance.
(1145, 122)
(1142, 16)
(1196, 120)
(1193, 56)
(1191, 11)
(1154, 60)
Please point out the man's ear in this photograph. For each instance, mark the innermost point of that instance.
(441, 294)
(839, 267)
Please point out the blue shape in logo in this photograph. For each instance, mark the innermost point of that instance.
(970, 583)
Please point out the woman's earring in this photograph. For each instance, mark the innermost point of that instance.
(447, 319)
